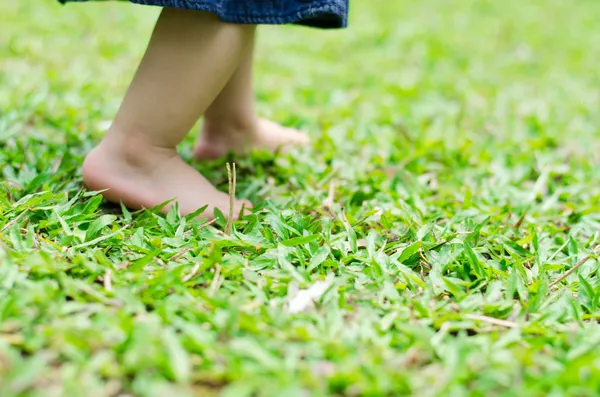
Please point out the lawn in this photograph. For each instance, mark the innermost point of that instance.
(446, 218)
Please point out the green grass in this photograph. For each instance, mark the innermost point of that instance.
(460, 141)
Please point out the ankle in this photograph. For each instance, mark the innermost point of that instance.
(133, 149)
(230, 126)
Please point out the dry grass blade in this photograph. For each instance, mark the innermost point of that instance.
(328, 202)
(574, 268)
(207, 224)
(344, 219)
(189, 276)
(14, 221)
(520, 221)
(108, 280)
(179, 254)
(491, 320)
(231, 175)
(216, 281)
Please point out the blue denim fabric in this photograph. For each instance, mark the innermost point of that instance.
(316, 13)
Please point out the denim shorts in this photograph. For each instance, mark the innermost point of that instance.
(316, 13)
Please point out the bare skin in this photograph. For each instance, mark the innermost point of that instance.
(216, 142)
(194, 65)
(189, 61)
(231, 124)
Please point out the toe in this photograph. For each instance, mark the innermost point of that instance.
(300, 138)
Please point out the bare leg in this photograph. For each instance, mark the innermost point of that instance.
(191, 57)
(232, 125)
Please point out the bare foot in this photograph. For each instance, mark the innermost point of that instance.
(219, 140)
(142, 177)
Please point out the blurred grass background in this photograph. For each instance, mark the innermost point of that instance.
(461, 138)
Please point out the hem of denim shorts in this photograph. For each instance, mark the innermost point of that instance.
(333, 16)
(305, 13)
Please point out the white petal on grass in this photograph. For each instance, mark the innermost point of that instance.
(304, 298)
(104, 125)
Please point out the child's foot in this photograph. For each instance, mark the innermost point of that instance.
(219, 140)
(142, 177)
